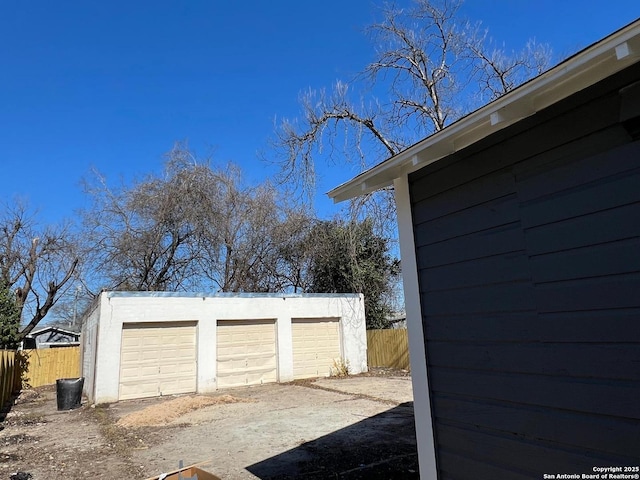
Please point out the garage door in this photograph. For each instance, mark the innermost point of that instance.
(157, 359)
(246, 351)
(316, 344)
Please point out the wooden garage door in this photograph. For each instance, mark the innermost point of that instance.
(246, 351)
(157, 359)
(316, 344)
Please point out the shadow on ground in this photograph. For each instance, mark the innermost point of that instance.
(376, 448)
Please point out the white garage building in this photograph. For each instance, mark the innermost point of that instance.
(145, 344)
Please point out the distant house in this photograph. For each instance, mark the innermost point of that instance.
(51, 337)
(398, 322)
(519, 232)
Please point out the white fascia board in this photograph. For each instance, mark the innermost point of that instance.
(595, 63)
(51, 329)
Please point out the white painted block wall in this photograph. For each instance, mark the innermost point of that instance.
(115, 308)
(88, 350)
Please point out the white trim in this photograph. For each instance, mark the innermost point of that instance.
(51, 329)
(419, 377)
(593, 64)
(625, 50)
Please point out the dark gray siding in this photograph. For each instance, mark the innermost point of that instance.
(528, 248)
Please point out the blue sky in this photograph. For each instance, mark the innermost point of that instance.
(112, 85)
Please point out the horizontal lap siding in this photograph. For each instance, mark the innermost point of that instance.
(499, 418)
(578, 360)
(473, 443)
(620, 325)
(528, 250)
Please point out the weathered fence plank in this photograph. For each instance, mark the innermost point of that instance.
(388, 348)
(45, 366)
(8, 375)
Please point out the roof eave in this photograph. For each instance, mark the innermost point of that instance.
(50, 329)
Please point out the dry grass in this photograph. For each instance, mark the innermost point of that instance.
(168, 411)
(340, 368)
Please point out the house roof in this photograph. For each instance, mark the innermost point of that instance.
(596, 62)
(52, 329)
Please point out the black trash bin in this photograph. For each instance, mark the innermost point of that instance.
(69, 392)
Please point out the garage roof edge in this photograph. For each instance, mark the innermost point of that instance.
(123, 294)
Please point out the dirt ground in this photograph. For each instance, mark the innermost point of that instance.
(348, 428)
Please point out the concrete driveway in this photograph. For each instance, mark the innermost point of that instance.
(356, 427)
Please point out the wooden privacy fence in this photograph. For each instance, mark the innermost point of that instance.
(9, 375)
(388, 348)
(45, 366)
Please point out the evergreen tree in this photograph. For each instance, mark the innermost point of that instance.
(349, 257)
(9, 318)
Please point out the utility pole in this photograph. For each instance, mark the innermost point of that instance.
(75, 305)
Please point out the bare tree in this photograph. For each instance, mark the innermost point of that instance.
(67, 313)
(294, 252)
(195, 227)
(245, 249)
(430, 68)
(498, 71)
(37, 263)
(143, 237)
(417, 57)
(298, 142)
